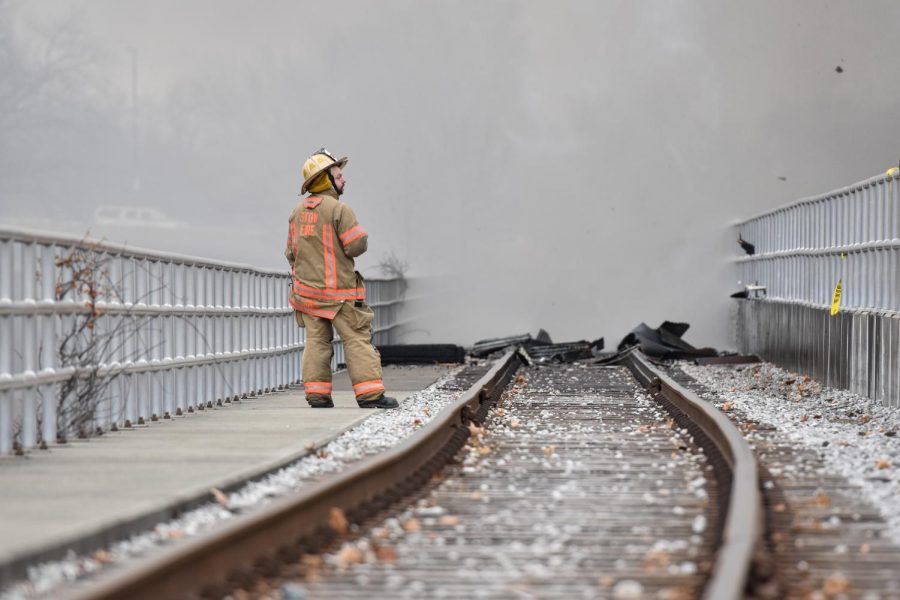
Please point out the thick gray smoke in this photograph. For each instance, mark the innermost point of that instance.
(568, 165)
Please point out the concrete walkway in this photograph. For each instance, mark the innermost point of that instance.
(88, 493)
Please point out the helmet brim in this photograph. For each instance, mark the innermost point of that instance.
(341, 162)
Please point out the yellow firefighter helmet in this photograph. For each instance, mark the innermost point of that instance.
(319, 162)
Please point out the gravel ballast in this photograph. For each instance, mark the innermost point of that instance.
(855, 436)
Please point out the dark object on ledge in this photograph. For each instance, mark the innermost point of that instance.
(747, 246)
(398, 354)
(755, 289)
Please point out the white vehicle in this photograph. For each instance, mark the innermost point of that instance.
(133, 216)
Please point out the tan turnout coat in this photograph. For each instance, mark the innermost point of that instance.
(323, 239)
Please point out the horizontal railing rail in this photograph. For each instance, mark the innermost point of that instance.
(97, 336)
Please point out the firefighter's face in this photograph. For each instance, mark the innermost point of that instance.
(338, 175)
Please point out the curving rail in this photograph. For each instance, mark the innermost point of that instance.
(742, 510)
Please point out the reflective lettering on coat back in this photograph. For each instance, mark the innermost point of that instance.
(308, 221)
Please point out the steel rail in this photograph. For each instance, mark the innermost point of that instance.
(147, 310)
(856, 248)
(45, 238)
(207, 562)
(21, 381)
(131, 367)
(743, 523)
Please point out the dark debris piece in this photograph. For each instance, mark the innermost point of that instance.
(565, 352)
(485, 347)
(664, 342)
(399, 354)
(749, 248)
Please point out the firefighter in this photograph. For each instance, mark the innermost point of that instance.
(323, 239)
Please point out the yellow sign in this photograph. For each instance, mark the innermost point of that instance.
(836, 299)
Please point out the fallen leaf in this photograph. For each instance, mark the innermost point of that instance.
(670, 423)
(520, 378)
(417, 422)
(804, 418)
(484, 451)
(476, 495)
(219, 496)
(311, 561)
(643, 429)
(864, 419)
(411, 525)
(381, 533)
(835, 584)
(821, 498)
(499, 412)
(780, 507)
(350, 555)
(385, 553)
(656, 560)
(606, 581)
(883, 463)
(864, 549)
(322, 453)
(449, 520)
(103, 557)
(514, 423)
(679, 593)
(549, 449)
(728, 406)
(175, 534)
(337, 520)
(426, 412)
(475, 429)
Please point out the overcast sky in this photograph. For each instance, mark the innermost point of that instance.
(567, 165)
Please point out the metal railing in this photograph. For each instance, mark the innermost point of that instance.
(97, 336)
(802, 251)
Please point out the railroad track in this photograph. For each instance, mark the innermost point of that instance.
(583, 485)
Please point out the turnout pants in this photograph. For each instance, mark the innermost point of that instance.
(354, 325)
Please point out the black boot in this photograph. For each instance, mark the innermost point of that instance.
(320, 402)
(383, 402)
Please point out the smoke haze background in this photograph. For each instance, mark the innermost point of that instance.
(568, 165)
